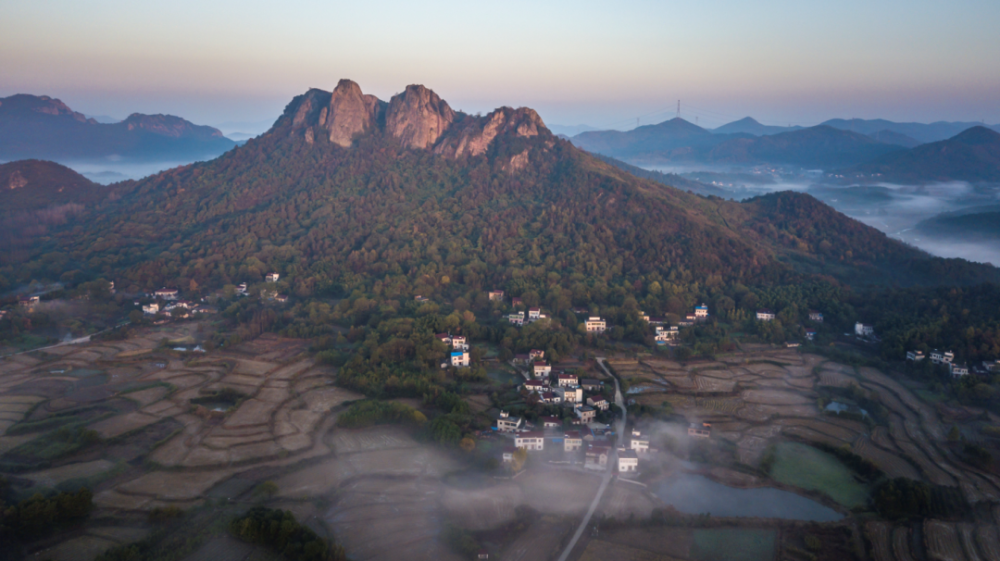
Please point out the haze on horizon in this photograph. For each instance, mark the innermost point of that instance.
(780, 61)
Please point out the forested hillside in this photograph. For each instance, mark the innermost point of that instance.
(362, 206)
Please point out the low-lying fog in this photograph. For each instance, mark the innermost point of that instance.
(893, 209)
(107, 172)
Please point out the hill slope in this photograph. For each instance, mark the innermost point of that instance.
(820, 146)
(406, 196)
(749, 125)
(921, 132)
(973, 155)
(45, 128)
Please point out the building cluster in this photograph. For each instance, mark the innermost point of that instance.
(459, 355)
(266, 292)
(594, 449)
(956, 370)
(168, 304)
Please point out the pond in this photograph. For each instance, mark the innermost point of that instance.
(696, 494)
(838, 407)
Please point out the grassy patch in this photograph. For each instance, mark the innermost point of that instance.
(928, 396)
(732, 544)
(808, 468)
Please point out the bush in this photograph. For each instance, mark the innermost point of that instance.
(279, 531)
(370, 412)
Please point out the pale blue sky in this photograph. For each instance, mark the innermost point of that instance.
(602, 63)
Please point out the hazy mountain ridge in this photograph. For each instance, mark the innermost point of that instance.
(973, 156)
(677, 140)
(45, 128)
(922, 132)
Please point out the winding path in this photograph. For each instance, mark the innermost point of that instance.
(609, 471)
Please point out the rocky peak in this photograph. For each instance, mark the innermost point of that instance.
(476, 134)
(349, 113)
(418, 117)
(168, 125)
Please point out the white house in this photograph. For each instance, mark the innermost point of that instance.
(530, 440)
(550, 398)
(628, 462)
(586, 413)
(938, 357)
(701, 312)
(765, 315)
(665, 334)
(541, 368)
(242, 289)
(568, 380)
(596, 325)
(639, 443)
(458, 343)
(459, 358)
(958, 370)
(992, 365)
(534, 386)
(151, 308)
(598, 402)
(534, 314)
(496, 295)
(815, 316)
(572, 441)
(704, 431)
(572, 394)
(506, 423)
(516, 319)
(915, 356)
(596, 456)
(166, 293)
(864, 329)
(811, 334)
(272, 277)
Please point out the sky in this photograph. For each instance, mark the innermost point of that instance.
(584, 61)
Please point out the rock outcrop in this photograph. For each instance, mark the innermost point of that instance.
(418, 117)
(350, 113)
(475, 134)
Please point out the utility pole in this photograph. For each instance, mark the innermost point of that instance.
(678, 108)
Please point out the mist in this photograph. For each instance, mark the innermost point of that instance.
(895, 209)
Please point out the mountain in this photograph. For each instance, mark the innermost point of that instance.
(749, 125)
(899, 139)
(408, 197)
(820, 146)
(45, 128)
(973, 155)
(677, 140)
(972, 226)
(570, 130)
(922, 132)
(33, 184)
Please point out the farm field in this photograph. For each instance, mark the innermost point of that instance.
(147, 427)
(808, 468)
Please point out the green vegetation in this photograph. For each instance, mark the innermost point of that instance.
(732, 544)
(39, 516)
(370, 412)
(902, 498)
(48, 447)
(279, 531)
(808, 468)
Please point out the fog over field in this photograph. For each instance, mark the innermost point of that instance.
(892, 208)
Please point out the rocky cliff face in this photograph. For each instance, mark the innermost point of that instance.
(474, 135)
(350, 113)
(418, 117)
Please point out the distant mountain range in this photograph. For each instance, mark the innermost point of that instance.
(678, 140)
(749, 125)
(975, 225)
(973, 155)
(46, 128)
